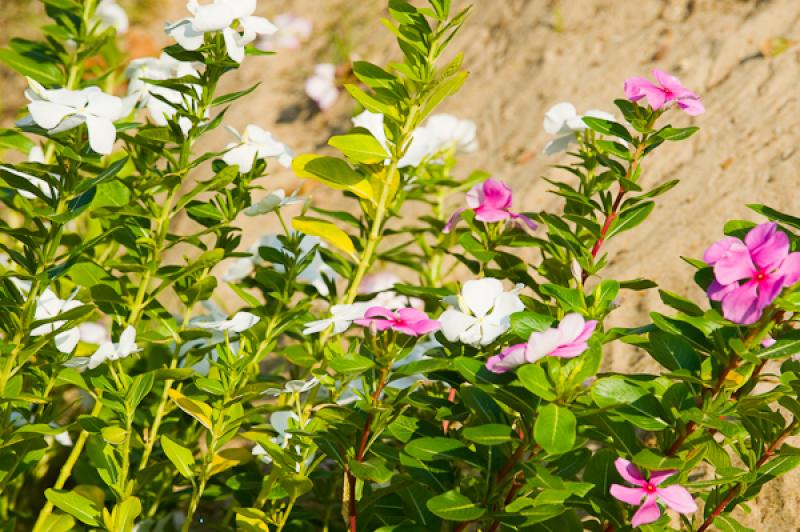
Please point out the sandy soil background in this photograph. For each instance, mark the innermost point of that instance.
(526, 55)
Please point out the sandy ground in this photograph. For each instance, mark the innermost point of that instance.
(526, 55)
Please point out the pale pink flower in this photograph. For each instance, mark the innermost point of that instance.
(675, 497)
(568, 340)
(749, 275)
(668, 89)
(491, 202)
(409, 321)
(292, 32)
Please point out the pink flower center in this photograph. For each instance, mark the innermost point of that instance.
(650, 488)
(760, 276)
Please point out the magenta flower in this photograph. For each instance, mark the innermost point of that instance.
(749, 275)
(409, 321)
(568, 340)
(676, 497)
(491, 202)
(669, 89)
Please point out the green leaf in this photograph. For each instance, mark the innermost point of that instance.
(630, 218)
(47, 74)
(677, 133)
(125, 513)
(523, 324)
(334, 173)
(352, 363)
(780, 349)
(14, 140)
(200, 411)
(370, 103)
(84, 509)
(728, 523)
(628, 400)
(372, 470)
(489, 434)
(680, 303)
(535, 379)
(453, 506)
(672, 352)
(360, 147)
(774, 215)
(444, 90)
(437, 448)
(180, 456)
(608, 127)
(555, 428)
(58, 523)
(326, 230)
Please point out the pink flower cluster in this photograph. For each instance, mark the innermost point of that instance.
(491, 202)
(408, 321)
(667, 89)
(749, 275)
(675, 497)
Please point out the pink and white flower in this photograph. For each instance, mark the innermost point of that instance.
(408, 321)
(667, 89)
(647, 493)
(481, 313)
(568, 340)
(749, 275)
(491, 202)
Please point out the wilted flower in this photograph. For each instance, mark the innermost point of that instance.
(152, 96)
(749, 275)
(563, 121)
(448, 131)
(49, 306)
(219, 16)
(321, 86)
(568, 340)
(342, 316)
(255, 144)
(272, 202)
(669, 89)
(36, 155)
(675, 497)
(408, 321)
(482, 314)
(491, 202)
(240, 322)
(111, 14)
(58, 110)
(292, 31)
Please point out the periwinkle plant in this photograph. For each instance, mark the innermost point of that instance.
(378, 372)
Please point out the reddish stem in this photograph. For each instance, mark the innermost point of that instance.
(451, 396)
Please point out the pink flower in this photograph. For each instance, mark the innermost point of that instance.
(675, 497)
(749, 275)
(491, 202)
(568, 340)
(409, 321)
(669, 89)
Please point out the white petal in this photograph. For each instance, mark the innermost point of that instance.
(257, 26)
(243, 155)
(556, 116)
(233, 44)
(66, 341)
(213, 17)
(242, 321)
(372, 122)
(560, 144)
(238, 270)
(313, 327)
(48, 114)
(571, 327)
(127, 341)
(479, 295)
(505, 305)
(102, 134)
(183, 32)
(454, 323)
(542, 343)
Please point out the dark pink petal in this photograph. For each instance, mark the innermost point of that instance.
(692, 106)
(426, 326)
(768, 247)
(741, 305)
(678, 498)
(718, 291)
(734, 266)
(634, 87)
(668, 81)
(657, 477)
(452, 221)
(530, 223)
(647, 513)
(586, 333)
(411, 315)
(570, 350)
(626, 494)
(768, 289)
(488, 214)
(629, 472)
(379, 317)
(721, 248)
(496, 195)
(509, 358)
(790, 269)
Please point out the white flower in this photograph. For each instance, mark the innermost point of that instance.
(240, 322)
(564, 121)
(220, 16)
(292, 31)
(280, 423)
(111, 14)
(315, 273)
(36, 155)
(62, 438)
(422, 142)
(272, 202)
(450, 131)
(109, 351)
(49, 306)
(58, 110)
(93, 333)
(321, 86)
(293, 386)
(342, 316)
(152, 96)
(255, 144)
(482, 313)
